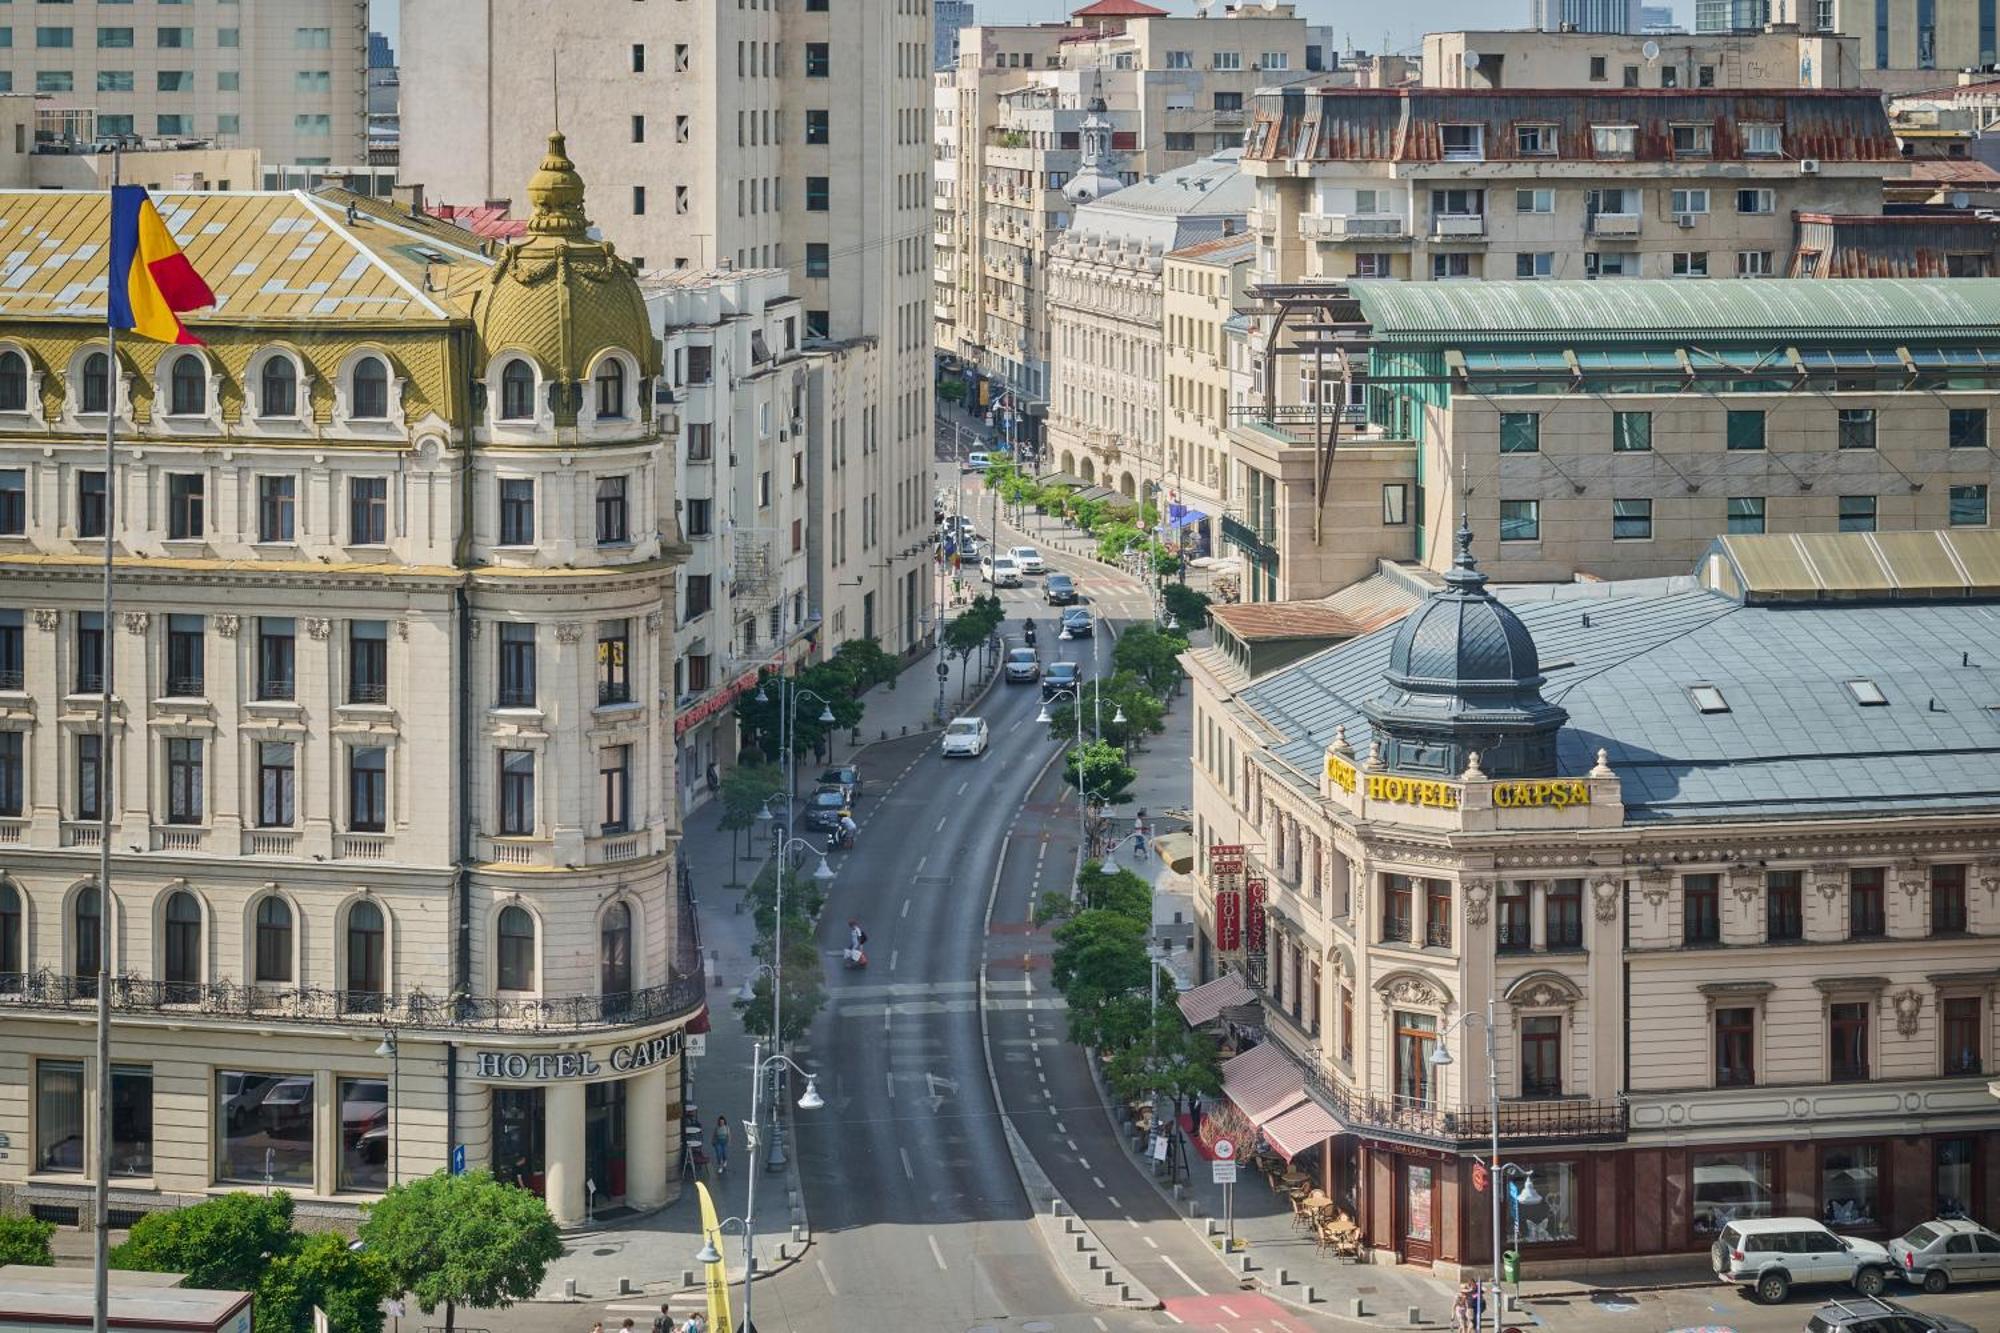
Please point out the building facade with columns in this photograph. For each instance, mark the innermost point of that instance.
(392, 804)
(1720, 898)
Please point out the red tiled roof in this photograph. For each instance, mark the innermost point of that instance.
(486, 221)
(1285, 620)
(1948, 171)
(1118, 9)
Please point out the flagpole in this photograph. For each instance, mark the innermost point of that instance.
(101, 1209)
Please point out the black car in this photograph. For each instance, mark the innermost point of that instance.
(847, 777)
(1059, 590)
(823, 808)
(1078, 621)
(1061, 678)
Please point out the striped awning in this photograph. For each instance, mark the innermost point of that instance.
(1304, 1126)
(1263, 1082)
(1205, 1003)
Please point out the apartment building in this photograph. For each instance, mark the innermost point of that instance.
(948, 243)
(1726, 16)
(1106, 280)
(1201, 288)
(1510, 58)
(1174, 90)
(391, 745)
(794, 138)
(1903, 39)
(285, 77)
(947, 18)
(1604, 430)
(1584, 15)
(1439, 184)
(1558, 811)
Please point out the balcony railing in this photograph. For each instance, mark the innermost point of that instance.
(1349, 226)
(1559, 1119)
(1613, 224)
(1515, 938)
(368, 692)
(11, 678)
(186, 687)
(1459, 226)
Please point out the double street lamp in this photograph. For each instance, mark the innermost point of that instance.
(810, 1101)
(822, 874)
(1075, 696)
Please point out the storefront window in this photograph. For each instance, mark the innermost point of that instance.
(1954, 1178)
(59, 1116)
(1553, 1220)
(517, 1137)
(1849, 1185)
(1416, 1038)
(131, 1120)
(364, 1134)
(1729, 1186)
(265, 1126)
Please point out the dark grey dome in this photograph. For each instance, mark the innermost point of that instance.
(1459, 641)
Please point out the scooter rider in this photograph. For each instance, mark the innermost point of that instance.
(1028, 630)
(847, 827)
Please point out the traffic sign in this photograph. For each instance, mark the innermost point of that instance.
(1225, 1150)
(943, 670)
(458, 1160)
(1225, 1172)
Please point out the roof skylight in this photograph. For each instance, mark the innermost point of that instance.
(1867, 693)
(1708, 698)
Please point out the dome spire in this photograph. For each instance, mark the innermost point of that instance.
(556, 191)
(1465, 575)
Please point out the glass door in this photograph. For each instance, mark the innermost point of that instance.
(1417, 1201)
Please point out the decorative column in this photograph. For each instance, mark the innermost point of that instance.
(563, 1151)
(646, 1134)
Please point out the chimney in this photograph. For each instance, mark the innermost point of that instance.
(504, 205)
(410, 196)
(1229, 226)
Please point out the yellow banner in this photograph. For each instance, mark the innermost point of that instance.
(718, 1281)
(1340, 773)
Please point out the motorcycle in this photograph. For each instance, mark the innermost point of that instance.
(855, 954)
(1029, 633)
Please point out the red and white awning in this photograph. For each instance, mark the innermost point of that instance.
(1205, 1003)
(1263, 1082)
(1305, 1126)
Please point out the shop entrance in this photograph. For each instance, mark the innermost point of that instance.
(604, 1140)
(1414, 1200)
(518, 1138)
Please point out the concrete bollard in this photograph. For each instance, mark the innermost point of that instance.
(1057, 1207)
(1180, 1190)
(1283, 1280)
(1096, 1262)
(799, 1234)
(1071, 1226)
(1083, 1244)
(1242, 1263)
(1211, 1227)
(569, 1288)
(1307, 1295)
(687, 1277)
(784, 1251)
(1194, 1209)
(624, 1286)
(1416, 1316)
(1357, 1309)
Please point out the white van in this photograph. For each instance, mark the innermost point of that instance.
(978, 462)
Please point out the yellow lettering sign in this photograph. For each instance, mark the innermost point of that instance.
(1412, 791)
(1555, 794)
(1340, 773)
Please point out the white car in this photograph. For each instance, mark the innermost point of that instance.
(978, 461)
(1028, 559)
(966, 736)
(1000, 571)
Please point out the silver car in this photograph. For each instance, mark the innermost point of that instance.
(1023, 664)
(1936, 1254)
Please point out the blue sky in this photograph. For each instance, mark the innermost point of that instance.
(1355, 22)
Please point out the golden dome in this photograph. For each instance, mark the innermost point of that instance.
(562, 296)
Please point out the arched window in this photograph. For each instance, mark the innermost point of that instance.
(614, 979)
(370, 401)
(611, 388)
(86, 922)
(517, 949)
(188, 387)
(517, 392)
(274, 940)
(96, 382)
(364, 956)
(277, 387)
(13, 382)
(182, 961)
(13, 939)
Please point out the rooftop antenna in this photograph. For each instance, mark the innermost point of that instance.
(555, 89)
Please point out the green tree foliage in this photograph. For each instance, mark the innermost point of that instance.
(1168, 1056)
(1100, 967)
(25, 1240)
(1105, 775)
(461, 1240)
(1189, 606)
(804, 974)
(745, 791)
(1119, 891)
(319, 1270)
(222, 1244)
(1114, 539)
(761, 720)
(866, 663)
(1144, 714)
(1150, 654)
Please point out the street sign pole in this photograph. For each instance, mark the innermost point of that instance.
(1229, 1212)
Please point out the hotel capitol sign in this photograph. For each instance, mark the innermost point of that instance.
(1513, 794)
(559, 1066)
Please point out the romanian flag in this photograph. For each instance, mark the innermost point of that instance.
(151, 281)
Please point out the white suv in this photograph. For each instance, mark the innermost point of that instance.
(1771, 1255)
(1028, 559)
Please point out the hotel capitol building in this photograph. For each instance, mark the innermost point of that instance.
(395, 552)
(1720, 850)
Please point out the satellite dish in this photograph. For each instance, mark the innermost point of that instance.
(1651, 50)
(1472, 59)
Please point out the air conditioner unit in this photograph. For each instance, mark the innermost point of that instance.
(1684, 220)
(1808, 166)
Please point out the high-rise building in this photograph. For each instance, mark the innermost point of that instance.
(282, 76)
(1657, 19)
(947, 17)
(1584, 15)
(760, 137)
(1908, 35)
(1730, 15)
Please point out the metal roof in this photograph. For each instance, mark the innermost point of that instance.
(1785, 310)
(1793, 741)
(278, 256)
(1824, 566)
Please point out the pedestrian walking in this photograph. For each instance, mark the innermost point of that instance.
(597, 1327)
(1461, 1309)
(721, 1145)
(665, 1323)
(626, 1327)
(693, 1324)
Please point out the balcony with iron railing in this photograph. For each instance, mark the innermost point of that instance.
(12, 679)
(1352, 227)
(1458, 227)
(1612, 224)
(1423, 1120)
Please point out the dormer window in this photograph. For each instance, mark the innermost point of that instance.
(96, 382)
(187, 387)
(517, 392)
(611, 389)
(1463, 143)
(1693, 140)
(370, 389)
(277, 388)
(13, 382)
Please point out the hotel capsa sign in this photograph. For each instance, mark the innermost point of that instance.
(1514, 794)
(558, 1066)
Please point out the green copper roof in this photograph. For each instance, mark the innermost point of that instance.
(1764, 309)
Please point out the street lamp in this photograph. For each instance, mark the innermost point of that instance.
(1076, 710)
(388, 1050)
(1441, 1058)
(810, 1101)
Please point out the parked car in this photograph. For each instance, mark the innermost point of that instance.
(1064, 678)
(1771, 1255)
(978, 461)
(965, 736)
(1029, 559)
(847, 777)
(823, 808)
(1937, 1253)
(1059, 590)
(1866, 1315)
(1079, 622)
(1000, 571)
(1023, 664)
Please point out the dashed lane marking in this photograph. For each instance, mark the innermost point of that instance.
(962, 786)
(827, 1278)
(1131, 1221)
(1084, 1162)
(894, 954)
(906, 902)
(1181, 1273)
(1112, 1199)
(920, 866)
(1071, 1142)
(1097, 1182)
(889, 1080)
(941, 822)
(1231, 1313)
(1100, 1324)
(909, 1172)
(936, 1253)
(1151, 1244)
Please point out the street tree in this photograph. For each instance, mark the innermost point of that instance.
(1115, 539)
(320, 1270)
(26, 1240)
(221, 1244)
(804, 992)
(1150, 654)
(867, 663)
(1100, 772)
(455, 1240)
(1099, 967)
(1188, 606)
(747, 790)
(1119, 891)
